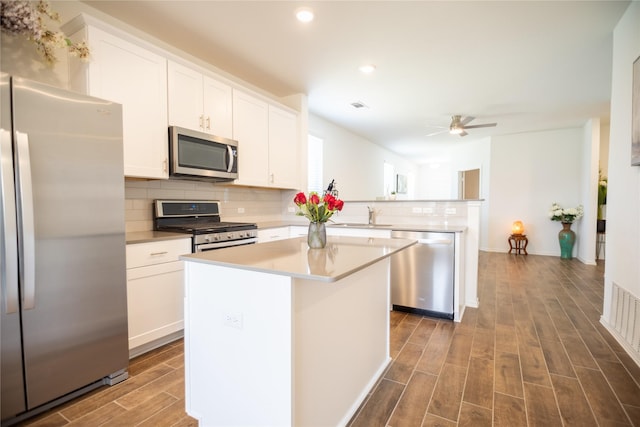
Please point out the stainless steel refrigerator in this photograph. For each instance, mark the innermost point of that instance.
(62, 241)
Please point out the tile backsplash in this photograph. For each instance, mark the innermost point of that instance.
(236, 203)
(252, 204)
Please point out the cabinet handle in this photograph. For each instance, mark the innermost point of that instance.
(271, 177)
(158, 253)
(208, 123)
(202, 121)
(164, 165)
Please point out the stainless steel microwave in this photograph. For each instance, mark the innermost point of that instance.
(201, 156)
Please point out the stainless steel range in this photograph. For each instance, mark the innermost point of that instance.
(201, 219)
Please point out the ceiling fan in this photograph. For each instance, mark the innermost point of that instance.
(459, 126)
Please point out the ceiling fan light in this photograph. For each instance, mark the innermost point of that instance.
(454, 130)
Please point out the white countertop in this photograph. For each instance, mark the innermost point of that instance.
(133, 237)
(440, 228)
(292, 257)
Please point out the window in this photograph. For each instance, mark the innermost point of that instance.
(315, 164)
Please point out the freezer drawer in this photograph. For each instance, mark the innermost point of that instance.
(422, 276)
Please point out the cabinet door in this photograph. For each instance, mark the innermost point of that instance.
(217, 108)
(155, 299)
(185, 97)
(123, 72)
(283, 149)
(251, 130)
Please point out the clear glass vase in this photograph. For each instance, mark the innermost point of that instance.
(317, 235)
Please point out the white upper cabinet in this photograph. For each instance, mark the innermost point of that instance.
(158, 90)
(283, 148)
(199, 102)
(267, 138)
(135, 77)
(251, 130)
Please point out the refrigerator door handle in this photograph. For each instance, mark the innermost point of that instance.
(27, 237)
(10, 252)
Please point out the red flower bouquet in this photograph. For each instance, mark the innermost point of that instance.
(316, 209)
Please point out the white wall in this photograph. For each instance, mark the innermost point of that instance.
(586, 227)
(529, 172)
(354, 162)
(438, 179)
(605, 129)
(623, 196)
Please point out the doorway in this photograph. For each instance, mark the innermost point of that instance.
(469, 184)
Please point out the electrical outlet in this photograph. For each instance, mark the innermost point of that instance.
(417, 210)
(240, 210)
(427, 210)
(450, 211)
(291, 209)
(233, 320)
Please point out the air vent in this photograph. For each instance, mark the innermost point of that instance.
(358, 104)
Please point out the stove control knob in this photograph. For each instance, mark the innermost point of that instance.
(216, 237)
(207, 238)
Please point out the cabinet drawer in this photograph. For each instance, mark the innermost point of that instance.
(271, 234)
(142, 254)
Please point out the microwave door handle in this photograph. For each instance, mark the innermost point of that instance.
(231, 158)
(27, 221)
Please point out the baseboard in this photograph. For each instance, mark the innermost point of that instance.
(147, 347)
(627, 348)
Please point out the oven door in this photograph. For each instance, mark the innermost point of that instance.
(199, 155)
(219, 245)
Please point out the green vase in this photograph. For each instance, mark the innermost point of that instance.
(567, 239)
(317, 235)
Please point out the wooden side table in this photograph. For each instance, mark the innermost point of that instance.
(518, 242)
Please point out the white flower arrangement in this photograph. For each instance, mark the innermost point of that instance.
(20, 17)
(566, 215)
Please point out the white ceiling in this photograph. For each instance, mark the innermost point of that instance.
(528, 65)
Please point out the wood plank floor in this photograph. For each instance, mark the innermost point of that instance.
(532, 354)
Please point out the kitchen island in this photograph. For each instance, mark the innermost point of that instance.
(279, 334)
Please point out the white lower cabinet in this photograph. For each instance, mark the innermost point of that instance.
(271, 234)
(155, 293)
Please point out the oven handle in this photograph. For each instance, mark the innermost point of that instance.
(219, 245)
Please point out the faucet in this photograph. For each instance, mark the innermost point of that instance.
(371, 215)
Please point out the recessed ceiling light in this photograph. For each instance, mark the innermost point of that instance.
(368, 68)
(304, 14)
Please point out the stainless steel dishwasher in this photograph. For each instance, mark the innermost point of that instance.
(422, 276)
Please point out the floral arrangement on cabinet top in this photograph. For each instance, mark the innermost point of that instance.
(28, 18)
